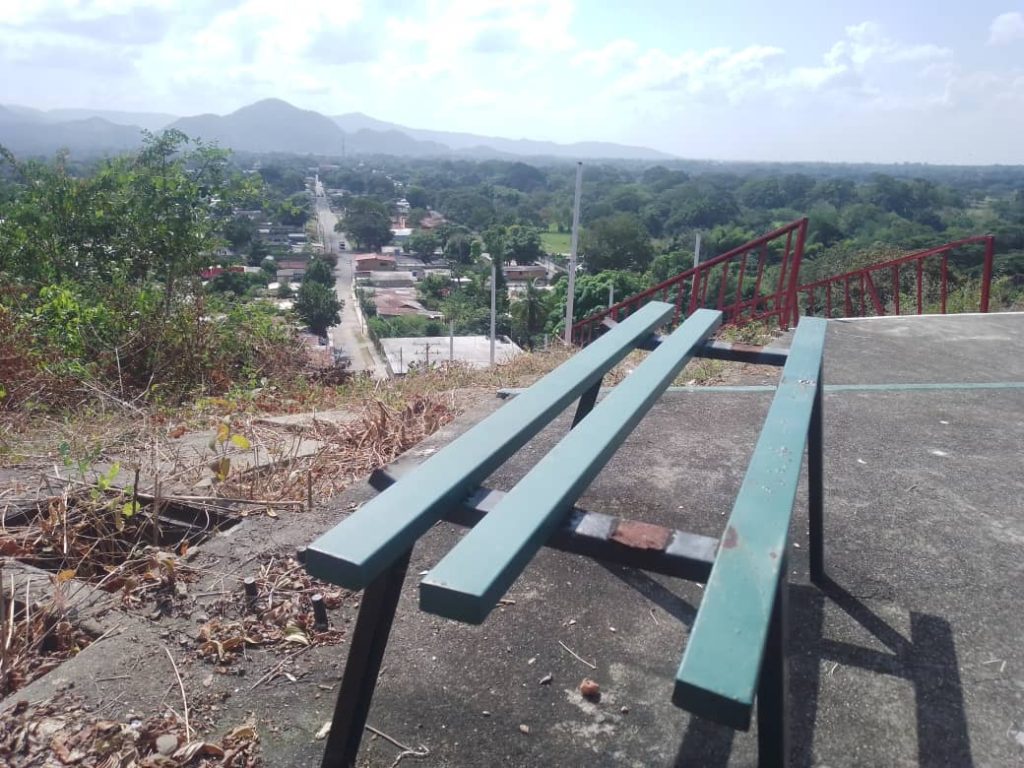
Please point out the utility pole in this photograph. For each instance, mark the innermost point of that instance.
(570, 295)
(494, 298)
(611, 295)
(696, 251)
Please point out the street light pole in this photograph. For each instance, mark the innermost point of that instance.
(494, 298)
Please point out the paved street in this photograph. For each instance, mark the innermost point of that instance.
(348, 336)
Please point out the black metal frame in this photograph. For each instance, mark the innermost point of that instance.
(607, 539)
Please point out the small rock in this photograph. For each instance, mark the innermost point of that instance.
(202, 618)
(589, 689)
(166, 744)
(624, 710)
(180, 590)
(208, 681)
(533, 660)
(546, 679)
(524, 728)
(485, 713)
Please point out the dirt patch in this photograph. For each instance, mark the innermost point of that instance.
(281, 608)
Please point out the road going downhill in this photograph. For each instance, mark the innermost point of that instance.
(348, 336)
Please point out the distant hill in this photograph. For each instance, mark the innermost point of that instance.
(151, 121)
(273, 125)
(82, 137)
(471, 144)
(270, 125)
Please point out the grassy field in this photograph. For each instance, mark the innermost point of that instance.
(555, 242)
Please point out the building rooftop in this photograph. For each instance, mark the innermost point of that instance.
(472, 350)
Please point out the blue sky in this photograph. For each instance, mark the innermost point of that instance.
(896, 81)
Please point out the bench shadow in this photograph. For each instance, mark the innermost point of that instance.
(927, 660)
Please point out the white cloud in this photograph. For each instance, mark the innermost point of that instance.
(1006, 28)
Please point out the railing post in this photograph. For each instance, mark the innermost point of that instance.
(986, 276)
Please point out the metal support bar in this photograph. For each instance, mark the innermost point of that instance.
(586, 403)
(816, 485)
(468, 582)
(772, 705)
(731, 351)
(369, 640)
(651, 548)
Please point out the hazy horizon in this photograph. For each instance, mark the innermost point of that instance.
(881, 82)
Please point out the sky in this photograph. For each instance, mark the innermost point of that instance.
(938, 81)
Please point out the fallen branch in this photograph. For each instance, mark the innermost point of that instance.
(576, 655)
(406, 751)
(276, 669)
(184, 699)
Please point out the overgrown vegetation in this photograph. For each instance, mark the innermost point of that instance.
(102, 294)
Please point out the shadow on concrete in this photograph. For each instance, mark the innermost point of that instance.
(927, 660)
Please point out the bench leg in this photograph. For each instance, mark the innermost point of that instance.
(586, 402)
(370, 638)
(816, 487)
(772, 708)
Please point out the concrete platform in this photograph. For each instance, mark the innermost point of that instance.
(913, 656)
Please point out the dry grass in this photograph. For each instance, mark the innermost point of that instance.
(34, 637)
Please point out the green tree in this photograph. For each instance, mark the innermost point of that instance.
(295, 210)
(147, 216)
(240, 232)
(368, 222)
(319, 271)
(591, 295)
(529, 314)
(417, 197)
(317, 306)
(616, 242)
(423, 244)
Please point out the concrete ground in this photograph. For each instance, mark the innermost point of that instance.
(912, 656)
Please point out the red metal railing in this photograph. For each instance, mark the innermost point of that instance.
(885, 288)
(739, 282)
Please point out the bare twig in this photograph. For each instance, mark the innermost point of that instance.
(278, 667)
(576, 655)
(184, 699)
(406, 751)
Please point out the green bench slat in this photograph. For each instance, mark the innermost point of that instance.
(719, 673)
(359, 548)
(473, 576)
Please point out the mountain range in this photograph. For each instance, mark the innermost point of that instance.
(273, 125)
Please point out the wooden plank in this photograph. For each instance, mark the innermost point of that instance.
(468, 582)
(360, 547)
(718, 676)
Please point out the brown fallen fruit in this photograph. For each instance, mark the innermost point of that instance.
(590, 689)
